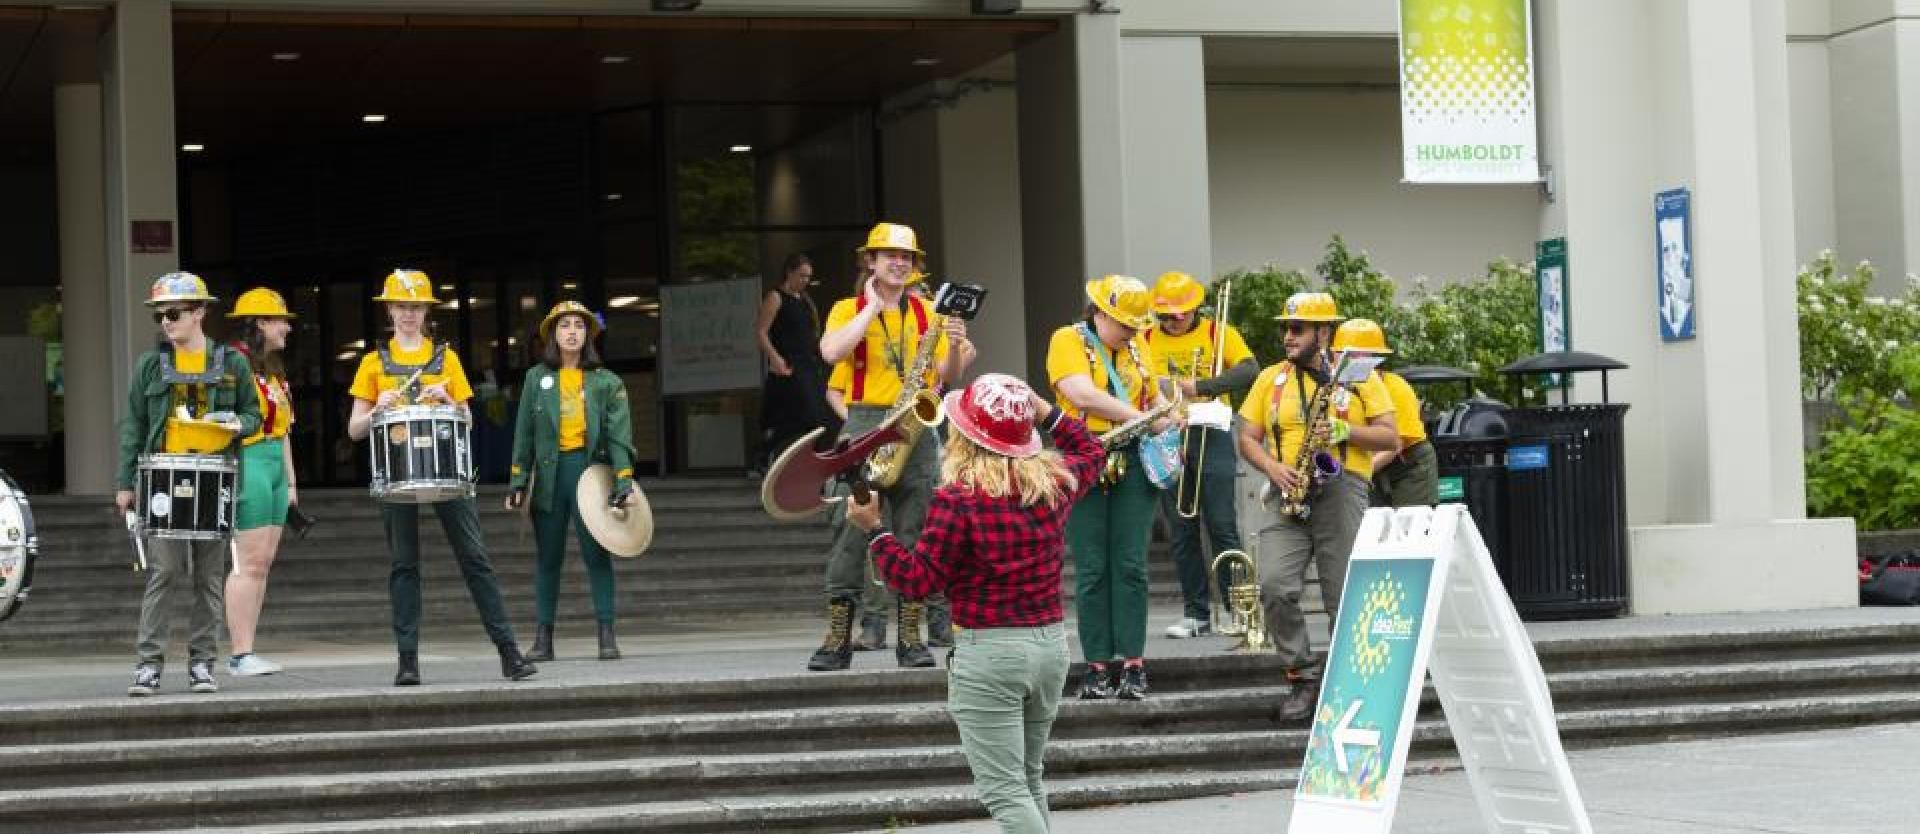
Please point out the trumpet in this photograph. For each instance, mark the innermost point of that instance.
(1243, 600)
(1185, 507)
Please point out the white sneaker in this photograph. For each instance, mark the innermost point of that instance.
(248, 665)
(1189, 627)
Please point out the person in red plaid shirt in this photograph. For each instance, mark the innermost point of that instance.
(994, 541)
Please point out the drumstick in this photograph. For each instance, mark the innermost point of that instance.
(406, 387)
(139, 546)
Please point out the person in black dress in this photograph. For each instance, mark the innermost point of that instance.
(794, 399)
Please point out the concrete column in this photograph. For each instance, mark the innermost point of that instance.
(1713, 438)
(1072, 198)
(1165, 144)
(137, 67)
(979, 161)
(87, 359)
(1874, 70)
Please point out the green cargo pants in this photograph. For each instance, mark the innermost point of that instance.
(462, 526)
(1003, 693)
(550, 530)
(1108, 533)
(1411, 480)
(904, 510)
(1286, 547)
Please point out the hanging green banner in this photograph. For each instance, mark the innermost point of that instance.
(1466, 91)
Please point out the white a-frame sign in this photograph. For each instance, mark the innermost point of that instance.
(1421, 595)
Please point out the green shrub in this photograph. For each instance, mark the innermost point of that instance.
(1862, 353)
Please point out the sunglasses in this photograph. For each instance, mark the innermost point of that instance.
(170, 314)
(1295, 328)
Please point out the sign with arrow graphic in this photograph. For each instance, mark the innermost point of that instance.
(1421, 588)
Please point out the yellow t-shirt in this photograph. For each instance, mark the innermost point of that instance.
(186, 362)
(1357, 406)
(1067, 356)
(892, 340)
(1175, 356)
(276, 410)
(1406, 409)
(371, 378)
(573, 409)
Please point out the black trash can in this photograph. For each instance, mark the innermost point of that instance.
(1567, 499)
(1470, 442)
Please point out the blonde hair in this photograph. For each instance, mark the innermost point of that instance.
(1041, 479)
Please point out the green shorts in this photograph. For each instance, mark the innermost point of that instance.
(263, 486)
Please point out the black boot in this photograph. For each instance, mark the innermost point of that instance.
(873, 633)
(910, 652)
(1303, 694)
(939, 628)
(542, 642)
(608, 649)
(409, 674)
(513, 665)
(836, 652)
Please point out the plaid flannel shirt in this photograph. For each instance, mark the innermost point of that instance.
(998, 562)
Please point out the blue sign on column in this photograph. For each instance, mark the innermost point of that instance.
(1673, 235)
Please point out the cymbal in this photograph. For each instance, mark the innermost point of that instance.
(623, 531)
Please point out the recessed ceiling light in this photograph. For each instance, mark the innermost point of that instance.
(741, 149)
(615, 59)
(569, 285)
(193, 147)
(286, 56)
(373, 118)
(614, 196)
(926, 61)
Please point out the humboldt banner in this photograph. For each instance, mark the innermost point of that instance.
(1466, 91)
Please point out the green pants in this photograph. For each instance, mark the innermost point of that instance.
(904, 510)
(1003, 693)
(263, 486)
(1411, 480)
(462, 526)
(1287, 547)
(1214, 478)
(1108, 533)
(550, 530)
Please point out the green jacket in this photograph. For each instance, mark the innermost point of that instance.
(536, 432)
(150, 398)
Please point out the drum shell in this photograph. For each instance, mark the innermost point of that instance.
(421, 454)
(19, 547)
(187, 496)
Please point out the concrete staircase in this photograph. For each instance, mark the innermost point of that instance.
(716, 558)
(839, 752)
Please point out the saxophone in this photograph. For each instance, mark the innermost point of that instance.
(887, 463)
(1116, 465)
(1315, 464)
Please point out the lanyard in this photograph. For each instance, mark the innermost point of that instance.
(896, 353)
(1092, 344)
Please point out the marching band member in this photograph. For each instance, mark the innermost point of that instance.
(1359, 422)
(408, 294)
(266, 459)
(573, 414)
(1099, 374)
(1409, 475)
(992, 542)
(1182, 348)
(185, 372)
(872, 339)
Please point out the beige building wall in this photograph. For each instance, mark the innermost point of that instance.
(1292, 165)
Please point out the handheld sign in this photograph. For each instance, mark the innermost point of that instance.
(1421, 592)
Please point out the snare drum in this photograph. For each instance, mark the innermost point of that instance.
(187, 496)
(19, 547)
(421, 454)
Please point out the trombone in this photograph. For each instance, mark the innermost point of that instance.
(1185, 507)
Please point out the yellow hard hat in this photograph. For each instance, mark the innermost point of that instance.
(1310, 306)
(570, 308)
(892, 236)
(178, 286)
(407, 286)
(260, 302)
(1176, 293)
(1363, 335)
(1124, 298)
(199, 437)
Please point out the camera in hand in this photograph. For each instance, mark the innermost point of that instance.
(961, 301)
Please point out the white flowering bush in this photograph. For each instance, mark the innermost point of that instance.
(1862, 353)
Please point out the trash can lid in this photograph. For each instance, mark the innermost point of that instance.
(1421, 374)
(1564, 361)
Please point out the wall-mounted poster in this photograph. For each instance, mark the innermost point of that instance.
(1673, 237)
(1550, 270)
(1466, 91)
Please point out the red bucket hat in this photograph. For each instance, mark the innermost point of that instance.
(996, 413)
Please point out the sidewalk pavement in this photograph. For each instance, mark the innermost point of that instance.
(1851, 781)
